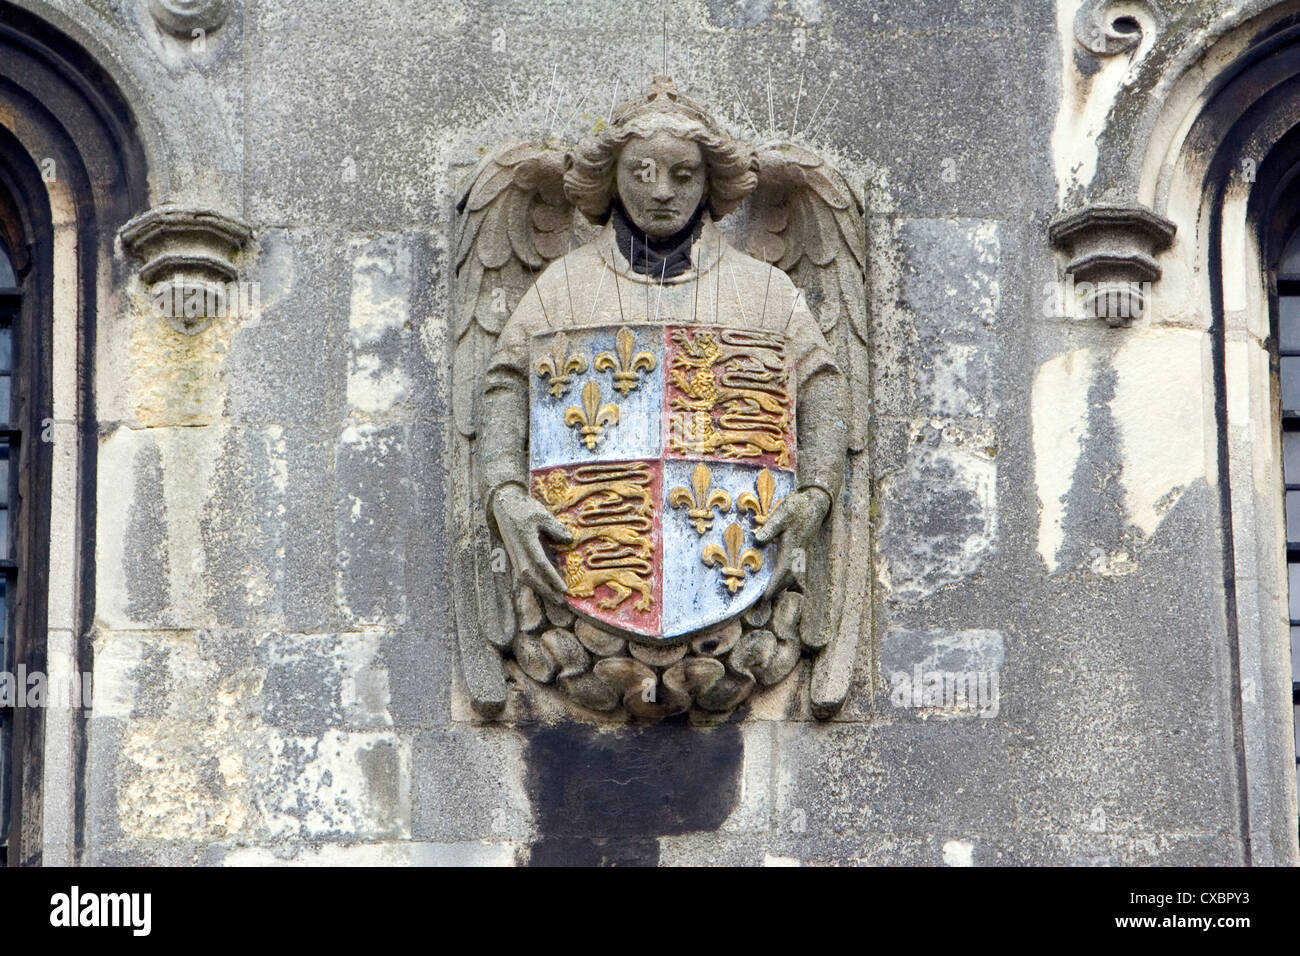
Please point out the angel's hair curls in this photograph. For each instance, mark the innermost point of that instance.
(589, 178)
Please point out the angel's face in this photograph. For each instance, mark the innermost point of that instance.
(661, 181)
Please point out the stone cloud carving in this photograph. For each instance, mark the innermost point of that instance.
(659, 495)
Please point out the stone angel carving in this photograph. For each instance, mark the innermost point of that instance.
(659, 495)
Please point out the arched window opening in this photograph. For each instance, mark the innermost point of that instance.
(1286, 335)
(69, 141)
(26, 243)
(10, 302)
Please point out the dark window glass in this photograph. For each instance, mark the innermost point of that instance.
(1290, 264)
(6, 368)
(1288, 348)
(1291, 384)
(5, 551)
(1291, 458)
(1288, 323)
(6, 717)
(9, 305)
(1293, 520)
(18, 470)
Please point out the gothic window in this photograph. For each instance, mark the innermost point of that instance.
(23, 496)
(9, 313)
(1288, 348)
(69, 144)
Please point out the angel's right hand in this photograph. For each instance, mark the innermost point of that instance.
(521, 521)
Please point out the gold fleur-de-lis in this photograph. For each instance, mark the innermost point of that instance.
(699, 499)
(733, 560)
(560, 366)
(592, 416)
(763, 505)
(626, 366)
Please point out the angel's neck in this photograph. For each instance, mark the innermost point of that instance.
(658, 258)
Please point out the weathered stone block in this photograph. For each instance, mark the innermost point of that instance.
(286, 362)
(469, 786)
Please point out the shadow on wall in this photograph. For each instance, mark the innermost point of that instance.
(604, 799)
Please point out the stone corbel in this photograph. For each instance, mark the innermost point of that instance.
(1113, 249)
(189, 260)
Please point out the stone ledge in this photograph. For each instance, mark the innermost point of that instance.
(187, 255)
(1114, 249)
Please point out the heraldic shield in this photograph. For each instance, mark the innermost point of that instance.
(662, 449)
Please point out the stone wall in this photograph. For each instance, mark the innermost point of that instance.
(274, 667)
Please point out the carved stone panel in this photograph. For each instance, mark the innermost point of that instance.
(654, 428)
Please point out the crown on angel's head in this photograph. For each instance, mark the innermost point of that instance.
(662, 97)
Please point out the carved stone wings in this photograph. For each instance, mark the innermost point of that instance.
(805, 220)
(514, 220)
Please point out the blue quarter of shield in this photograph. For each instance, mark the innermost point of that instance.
(696, 594)
(637, 432)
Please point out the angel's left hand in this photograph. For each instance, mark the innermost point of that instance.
(796, 521)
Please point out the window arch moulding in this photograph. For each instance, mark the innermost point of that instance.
(174, 181)
(109, 205)
(1175, 129)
